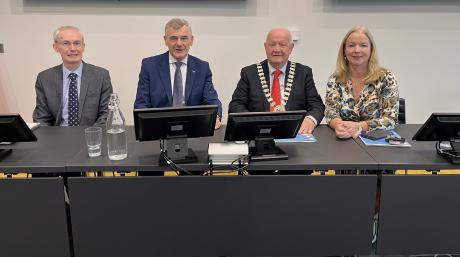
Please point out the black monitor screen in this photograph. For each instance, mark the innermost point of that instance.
(439, 127)
(251, 125)
(175, 122)
(14, 129)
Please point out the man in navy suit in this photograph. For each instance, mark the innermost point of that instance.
(157, 88)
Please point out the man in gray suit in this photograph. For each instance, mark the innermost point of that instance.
(59, 88)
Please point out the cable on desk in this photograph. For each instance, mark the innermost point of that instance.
(176, 167)
(451, 153)
(240, 164)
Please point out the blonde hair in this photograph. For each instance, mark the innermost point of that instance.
(342, 70)
(58, 30)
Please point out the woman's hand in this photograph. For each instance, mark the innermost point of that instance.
(347, 129)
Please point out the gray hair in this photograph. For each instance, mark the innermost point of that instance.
(177, 23)
(58, 30)
(283, 30)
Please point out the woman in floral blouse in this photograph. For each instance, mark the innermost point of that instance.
(360, 95)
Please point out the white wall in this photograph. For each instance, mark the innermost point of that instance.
(418, 39)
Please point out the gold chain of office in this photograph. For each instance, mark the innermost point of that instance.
(287, 88)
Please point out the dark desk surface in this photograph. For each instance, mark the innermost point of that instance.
(328, 153)
(61, 149)
(54, 148)
(142, 156)
(422, 155)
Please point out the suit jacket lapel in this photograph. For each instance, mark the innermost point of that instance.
(83, 88)
(165, 75)
(189, 80)
(58, 86)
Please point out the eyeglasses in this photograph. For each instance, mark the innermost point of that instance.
(67, 44)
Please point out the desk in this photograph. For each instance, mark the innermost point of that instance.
(328, 153)
(419, 215)
(142, 156)
(216, 204)
(63, 149)
(50, 154)
(33, 218)
(33, 214)
(222, 216)
(422, 155)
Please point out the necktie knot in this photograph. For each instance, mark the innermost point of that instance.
(178, 64)
(277, 73)
(73, 76)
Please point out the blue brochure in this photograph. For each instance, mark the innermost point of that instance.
(298, 138)
(382, 142)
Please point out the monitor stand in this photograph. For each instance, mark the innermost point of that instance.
(452, 155)
(4, 152)
(266, 150)
(178, 152)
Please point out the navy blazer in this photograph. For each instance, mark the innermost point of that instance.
(154, 86)
(249, 96)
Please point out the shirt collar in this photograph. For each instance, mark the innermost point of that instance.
(66, 72)
(173, 60)
(271, 69)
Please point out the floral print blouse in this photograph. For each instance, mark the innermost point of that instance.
(378, 102)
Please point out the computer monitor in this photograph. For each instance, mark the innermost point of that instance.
(442, 127)
(263, 128)
(14, 129)
(175, 125)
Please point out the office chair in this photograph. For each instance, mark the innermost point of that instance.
(402, 111)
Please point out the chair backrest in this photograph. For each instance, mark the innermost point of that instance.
(402, 111)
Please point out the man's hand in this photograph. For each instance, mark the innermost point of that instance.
(307, 126)
(218, 123)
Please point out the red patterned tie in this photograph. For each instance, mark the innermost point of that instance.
(276, 92)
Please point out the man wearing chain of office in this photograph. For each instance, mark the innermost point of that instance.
(277, 84)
